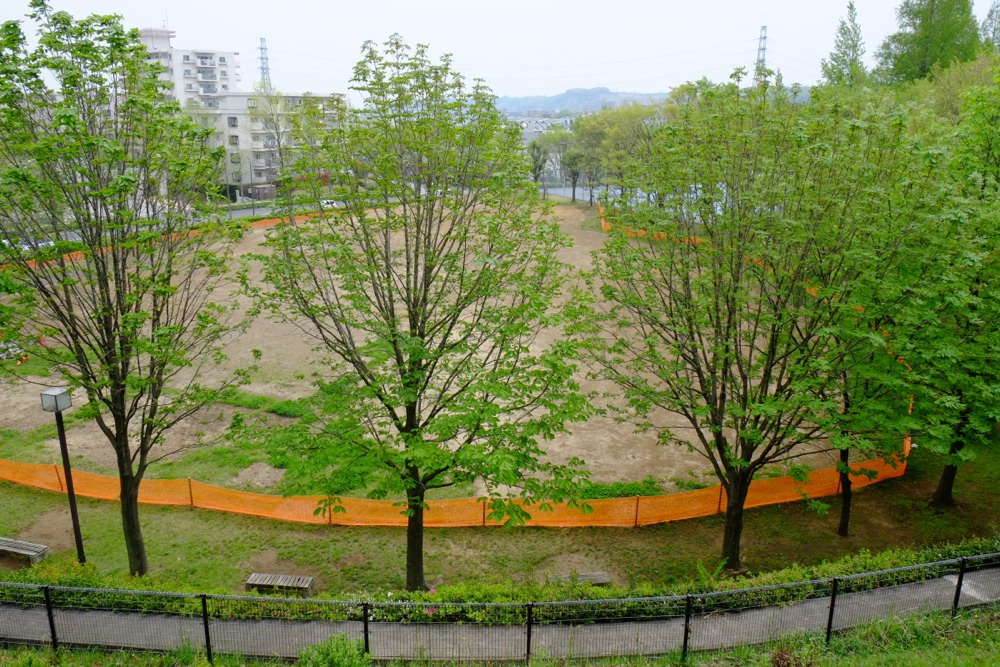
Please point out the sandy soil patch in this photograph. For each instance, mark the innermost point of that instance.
(612, 450)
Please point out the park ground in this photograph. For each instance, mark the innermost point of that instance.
(215, 551)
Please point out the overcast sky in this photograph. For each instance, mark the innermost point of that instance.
(519, 47)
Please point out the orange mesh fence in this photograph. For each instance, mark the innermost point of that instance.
(614, 512)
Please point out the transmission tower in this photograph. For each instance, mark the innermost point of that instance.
(761, 52)
(265, 69)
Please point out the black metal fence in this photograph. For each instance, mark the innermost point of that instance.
(669, 625)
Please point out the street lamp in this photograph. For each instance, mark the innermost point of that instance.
(56, 400)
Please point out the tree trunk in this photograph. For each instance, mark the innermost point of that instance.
(574, 190)
(738, 486)
(946, 485)
(415, 541)
(138, 565)
(846, 495)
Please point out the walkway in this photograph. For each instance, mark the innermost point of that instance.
(285, 638)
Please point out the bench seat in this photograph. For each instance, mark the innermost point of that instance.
(280, 583)
(33, 552)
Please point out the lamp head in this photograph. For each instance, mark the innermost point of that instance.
(56, 399)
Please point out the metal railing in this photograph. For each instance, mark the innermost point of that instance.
(654, 626)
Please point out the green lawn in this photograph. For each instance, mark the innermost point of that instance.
(214, 551)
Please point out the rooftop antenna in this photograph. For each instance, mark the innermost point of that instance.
(761, 51)
(265, 68)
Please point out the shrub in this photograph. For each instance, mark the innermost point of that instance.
(650, 486)
(336, 651)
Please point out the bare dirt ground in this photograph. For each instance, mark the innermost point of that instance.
(612, 450)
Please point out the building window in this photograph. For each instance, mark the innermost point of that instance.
(251, 104)
(234, 158)
(225, 86)
(234, 140)
(234, 121)
(188, 86)
(187, 58)
(187, 72)
(222, 59)
(237, 177)
(222, 73)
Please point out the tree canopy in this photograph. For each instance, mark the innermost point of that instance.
(845, 64)
(101, 180)
(931, 32)
(775, 241)
(426, 295)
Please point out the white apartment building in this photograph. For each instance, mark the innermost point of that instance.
(253, 137)
(210, 80)
(201, 75)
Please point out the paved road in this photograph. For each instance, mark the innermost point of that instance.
(283, 638)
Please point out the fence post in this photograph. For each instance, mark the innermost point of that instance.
(958, 587)
(529, 619)
(833, 605)
(364, 622)
(687, 628)
(52, 618)
(208, 636)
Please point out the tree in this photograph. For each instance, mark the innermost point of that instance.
(989, 29)
(845, 65)
(932, 32)
(770, 226)
(428, 291)
(573, 166)
(270, 133)
(538, 154)
(104, 168)
(589, 132)
(954, 346)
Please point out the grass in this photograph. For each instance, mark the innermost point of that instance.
(212, 551)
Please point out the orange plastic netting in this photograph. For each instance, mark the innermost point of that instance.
(615, 512)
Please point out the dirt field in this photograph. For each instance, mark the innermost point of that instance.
(613, 452)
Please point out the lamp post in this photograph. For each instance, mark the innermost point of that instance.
(56, 400)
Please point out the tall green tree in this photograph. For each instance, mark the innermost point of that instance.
(845, 64)
(770, 226)
(989, 29)
(931, 32)
(538, 154)
(953, 345)
(427, 294)
(95, 162)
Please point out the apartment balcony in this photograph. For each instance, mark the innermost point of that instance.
(207, 76)
(206, 62)
(209, 90)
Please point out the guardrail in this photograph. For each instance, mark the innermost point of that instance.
(255, 626)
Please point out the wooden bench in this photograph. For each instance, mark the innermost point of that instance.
(595, 578)
(280, 583)
(33, 552)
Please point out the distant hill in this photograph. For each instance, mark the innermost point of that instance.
(575, 100)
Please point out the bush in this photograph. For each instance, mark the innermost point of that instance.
(650, 486)
(336, 651)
